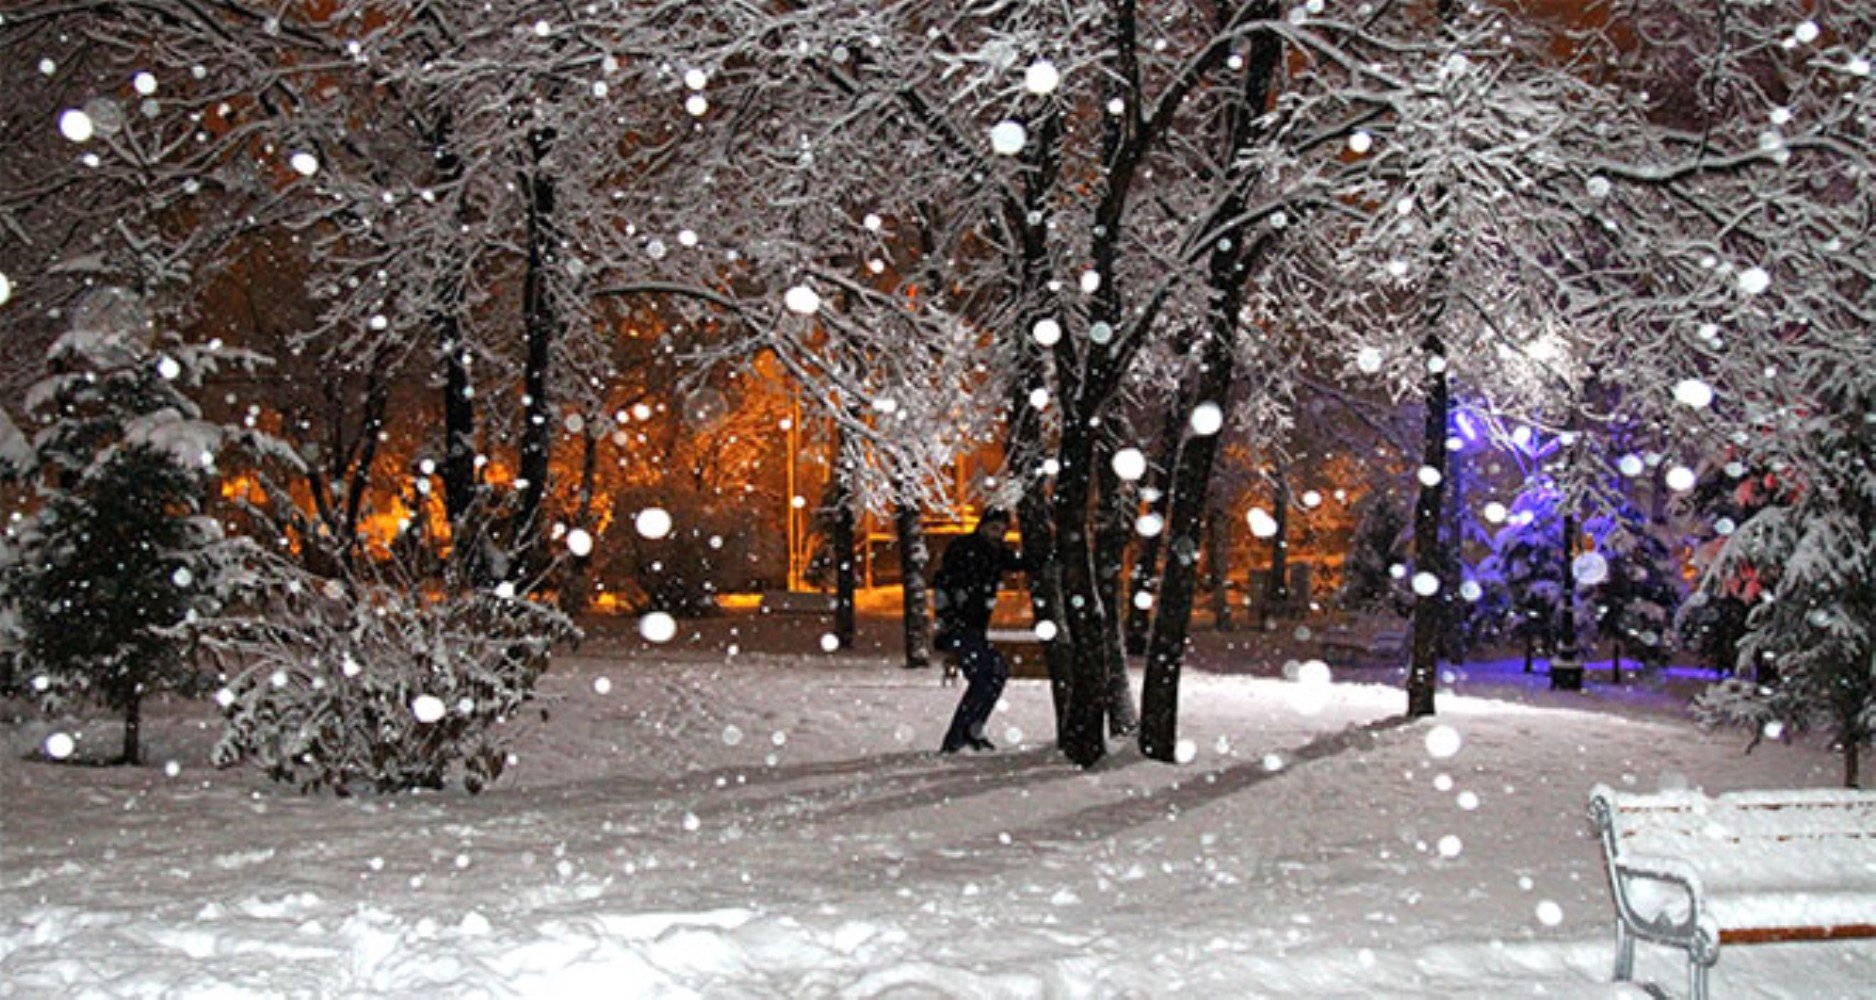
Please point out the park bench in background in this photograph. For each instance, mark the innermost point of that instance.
(1695, 872)
(1027, 655)
(796, 602)
(1360, 643)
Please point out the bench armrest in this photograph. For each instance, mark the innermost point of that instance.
(1662, 898)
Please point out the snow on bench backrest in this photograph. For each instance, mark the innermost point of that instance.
(1789, 815)
(1803, 839)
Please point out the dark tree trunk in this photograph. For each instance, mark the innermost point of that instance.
(1159, 696)
(1428, 616)
(1082, 736)
(1116, 528)
(1030, 220)
(1144, 578)
(573, 595)
(459, 423)
(1229, 261)
(1277, 600)
(1852, 759)
(1218, 563)
(358, 479)
(842, 542)
(542, 326)
(459, 412)
(133, 729)
(914, 557)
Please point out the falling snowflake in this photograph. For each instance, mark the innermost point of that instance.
(1590, 568)
(1693, 392)
(1443, 742)
(427, 708)
(1262, 524)
(76, 125)
(802, 300)
(1008, 138)
(1426, 584)
(652, 522)
(1754, 280)
(1129, 464)
(59, 746)
(658, 627)
(1359, 142)
(1207, 419)
(304, 164)
(580, 543)
(1041, 78)
(1047, 332)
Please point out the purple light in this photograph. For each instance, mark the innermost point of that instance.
(1466, 428)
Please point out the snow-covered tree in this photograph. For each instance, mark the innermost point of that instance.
(117, 560)
(1526, 565)
(1814, 553)
(1634, 603)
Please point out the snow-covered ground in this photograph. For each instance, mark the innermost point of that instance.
(771, 821)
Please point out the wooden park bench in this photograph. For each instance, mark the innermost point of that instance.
(1345, 646)
(796, 602)
(1695, 872)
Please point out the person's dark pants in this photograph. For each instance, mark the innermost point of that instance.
(984, 671)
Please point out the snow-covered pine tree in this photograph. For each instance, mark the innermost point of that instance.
(1526, 565)
(1634, 603)
(1368, 578)
(1814, 552)
(1713, 619)
(116, 559)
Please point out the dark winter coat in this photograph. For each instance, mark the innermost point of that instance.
(965, 589)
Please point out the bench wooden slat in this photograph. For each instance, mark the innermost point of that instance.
(1774, 935)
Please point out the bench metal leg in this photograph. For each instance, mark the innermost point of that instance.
(1624, 953)
(1696, 980)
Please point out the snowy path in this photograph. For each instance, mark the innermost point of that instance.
(775, 825)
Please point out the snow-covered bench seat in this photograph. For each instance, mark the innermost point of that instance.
(1021, 647)
(1350, 647)
(1695, 871)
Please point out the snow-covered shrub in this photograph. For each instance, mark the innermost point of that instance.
(370, 684)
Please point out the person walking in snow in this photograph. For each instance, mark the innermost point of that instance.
(964, 593)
